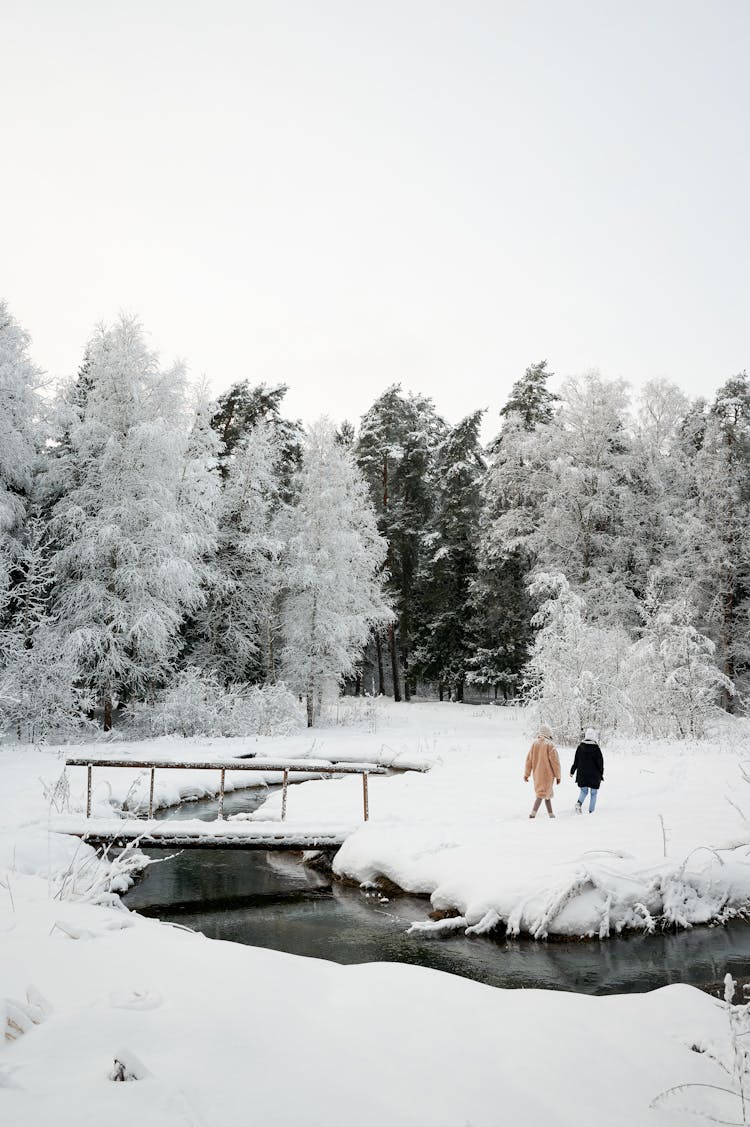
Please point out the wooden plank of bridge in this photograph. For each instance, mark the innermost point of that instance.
(322, 767)
(206, 835)
(309, 766)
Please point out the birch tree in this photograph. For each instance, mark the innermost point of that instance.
(235, 629)
(332, 570)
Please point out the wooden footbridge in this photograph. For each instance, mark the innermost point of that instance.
(150, 833)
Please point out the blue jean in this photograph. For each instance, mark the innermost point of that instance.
(592, 800)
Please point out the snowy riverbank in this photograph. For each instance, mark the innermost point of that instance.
(223, 1033)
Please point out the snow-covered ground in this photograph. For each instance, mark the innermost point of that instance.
(225, 1034)
(668, 838)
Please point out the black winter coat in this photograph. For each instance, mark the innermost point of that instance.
(589, 765)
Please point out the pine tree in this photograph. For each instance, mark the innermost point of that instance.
(128, 553)
(530, 399)
(240, 409)
(395, 452)
(332, 569)
(444, 641)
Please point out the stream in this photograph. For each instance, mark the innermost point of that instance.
(273, 900)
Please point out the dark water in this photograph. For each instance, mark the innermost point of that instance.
(272, 900)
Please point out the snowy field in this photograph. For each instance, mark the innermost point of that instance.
(225, 1034)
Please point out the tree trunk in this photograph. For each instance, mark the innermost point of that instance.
(394, 663)
(310, 698)
(108, 713)
(270, 671)
(440, 690)
(407, 685)
(460, 692)
(727, 641)
(381, 672)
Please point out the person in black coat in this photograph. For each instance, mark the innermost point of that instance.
(588, 768)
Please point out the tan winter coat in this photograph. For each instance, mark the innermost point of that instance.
(543, 763)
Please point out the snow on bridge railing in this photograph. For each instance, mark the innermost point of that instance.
(321, 767)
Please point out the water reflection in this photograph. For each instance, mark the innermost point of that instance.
(272, 900)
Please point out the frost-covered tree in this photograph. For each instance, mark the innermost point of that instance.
(658, 489)
(20, 440)
(235, 628)
(128, 550)
(332, 569)
(444, 635)
(716, 545)
(564, 491)
(512, 484)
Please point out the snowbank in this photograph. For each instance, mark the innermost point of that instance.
(211, 1033)
(224, 1034)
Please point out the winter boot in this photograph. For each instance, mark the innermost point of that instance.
(578, 808)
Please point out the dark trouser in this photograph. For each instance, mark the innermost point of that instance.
(538, 803)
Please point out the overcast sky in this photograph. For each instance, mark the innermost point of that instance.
(340, 195)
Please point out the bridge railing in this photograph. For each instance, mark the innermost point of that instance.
(323, 768)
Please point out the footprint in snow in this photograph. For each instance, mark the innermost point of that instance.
(139, 998)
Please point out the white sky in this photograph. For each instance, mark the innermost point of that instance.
(339, 194)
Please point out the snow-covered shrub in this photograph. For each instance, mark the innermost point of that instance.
(350, 712)
(574, 673)
(664, 684)
(672, 678)
(197, 704)
(39, 700)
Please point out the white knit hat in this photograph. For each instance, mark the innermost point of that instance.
(590, 737)
(545, 731)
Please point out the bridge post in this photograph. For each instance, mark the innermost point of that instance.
(151, 794)
(221, 795)
(365, 795)
(283, 795)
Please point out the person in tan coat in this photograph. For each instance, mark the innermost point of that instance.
(543, 763)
